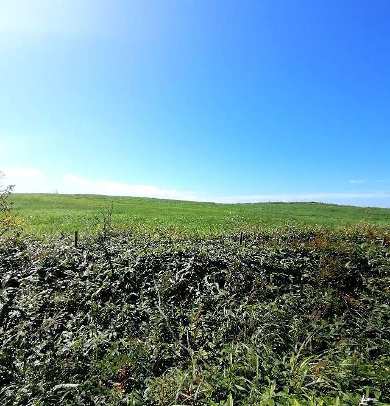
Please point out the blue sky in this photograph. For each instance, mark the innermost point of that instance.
(230, 101)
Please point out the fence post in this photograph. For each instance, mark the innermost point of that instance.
(240, 237)
(383, 241)
(76, 238)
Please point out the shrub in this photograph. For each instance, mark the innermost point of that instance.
(6, 220)
(147, 320)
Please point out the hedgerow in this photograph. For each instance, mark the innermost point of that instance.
(299, 317)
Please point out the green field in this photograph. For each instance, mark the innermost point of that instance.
(165, 306)
(45, 213)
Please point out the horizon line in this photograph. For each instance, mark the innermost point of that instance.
(200, 201)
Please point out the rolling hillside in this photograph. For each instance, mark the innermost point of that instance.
(50, 212)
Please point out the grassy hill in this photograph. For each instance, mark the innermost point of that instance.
(50, 212)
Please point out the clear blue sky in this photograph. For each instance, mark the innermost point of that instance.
(208, 100)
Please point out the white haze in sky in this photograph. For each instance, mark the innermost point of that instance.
(33, 180)
(40, 17)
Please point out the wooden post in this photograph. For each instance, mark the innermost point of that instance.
(76, 238)
(240, 238)
(383, 241)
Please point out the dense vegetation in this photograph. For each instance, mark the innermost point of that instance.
(294, 317)
(51, 213)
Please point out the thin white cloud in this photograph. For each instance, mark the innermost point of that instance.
(362, 181)
(25, 179)
(317, 197)
(77, 184)
(357, 182)
(15, 173)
